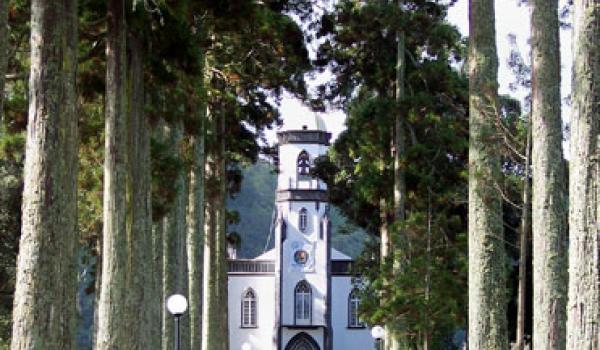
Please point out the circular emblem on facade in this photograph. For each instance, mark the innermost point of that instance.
(300, 257)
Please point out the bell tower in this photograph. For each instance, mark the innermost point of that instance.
(302, 240)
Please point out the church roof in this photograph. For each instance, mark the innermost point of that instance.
(337, 255)
(304, 122)
(268, 255)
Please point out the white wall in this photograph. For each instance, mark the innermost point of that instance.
(317, 277)
(344, 337)
(262, 337)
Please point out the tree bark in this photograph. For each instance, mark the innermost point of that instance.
(210, 311)
(549, 206)
(174, 241)
(112, 326)
(46, 282)
(139, 235)
(3, 56)
(399, 248)
(487, 309)
(524, 242)
(195, 235)
(583, 309)
(221, 238)
(157, 285)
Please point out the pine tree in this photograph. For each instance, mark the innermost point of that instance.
(399, 153)
(210, 326)
(43, 314)
(139, 236)
(174, 275)
(388, 153)
(112, 326)
(195, 232)
(549, 207)
(487, 300)
(583, 307)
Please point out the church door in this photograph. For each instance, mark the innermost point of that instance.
(302, 341)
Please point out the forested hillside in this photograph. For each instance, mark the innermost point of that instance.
(254, 209)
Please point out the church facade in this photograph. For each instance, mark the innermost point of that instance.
(299, 295)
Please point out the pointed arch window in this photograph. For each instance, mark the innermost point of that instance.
(249, 309)
(303, 164)
(353, 304)
(303, 303)
(303, 219)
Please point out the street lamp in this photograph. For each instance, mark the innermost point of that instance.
(177, 304)
(377, 333)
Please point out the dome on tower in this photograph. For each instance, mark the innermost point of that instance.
(304, 122)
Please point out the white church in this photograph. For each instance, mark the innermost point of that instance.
(299, 295)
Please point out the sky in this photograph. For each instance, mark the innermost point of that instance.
(510, 19)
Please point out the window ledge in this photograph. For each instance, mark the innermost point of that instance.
(248, 327)
(356, 327)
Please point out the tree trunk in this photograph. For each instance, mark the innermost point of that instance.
(174, 241)
(549, 207)
(157, 285)
(3, 56)
(159, 232)
(524, 242)
(152, 293)
(583, 310)
(139, 234)
(487, 295)
(399, 248)
(221, 237)
(211, 309)
(112, 325)
(385, 250)
(46, 282)
(195, 235)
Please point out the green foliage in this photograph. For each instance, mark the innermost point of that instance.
(419, 290)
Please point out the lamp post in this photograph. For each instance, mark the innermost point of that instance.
(378, 333)
(177, 304)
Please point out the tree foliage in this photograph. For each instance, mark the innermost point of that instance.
(359, 48)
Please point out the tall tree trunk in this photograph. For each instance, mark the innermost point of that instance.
(549, 206)
(487, 309)
(583, 310)
(210, 307)
(195, 234)
(3, 56)
(112, 305)
(157, 284)
(399, 248)
(152, 294)
(221, 237)
(385, 252)
(46, 284)
(174, 240)
(112, 324)
(524, 242)
(428, 331)
(139, 235)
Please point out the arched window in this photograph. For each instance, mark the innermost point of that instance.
(303, 303)
(303, 164)
(353, 303)
(249, 309)
(303, 220)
